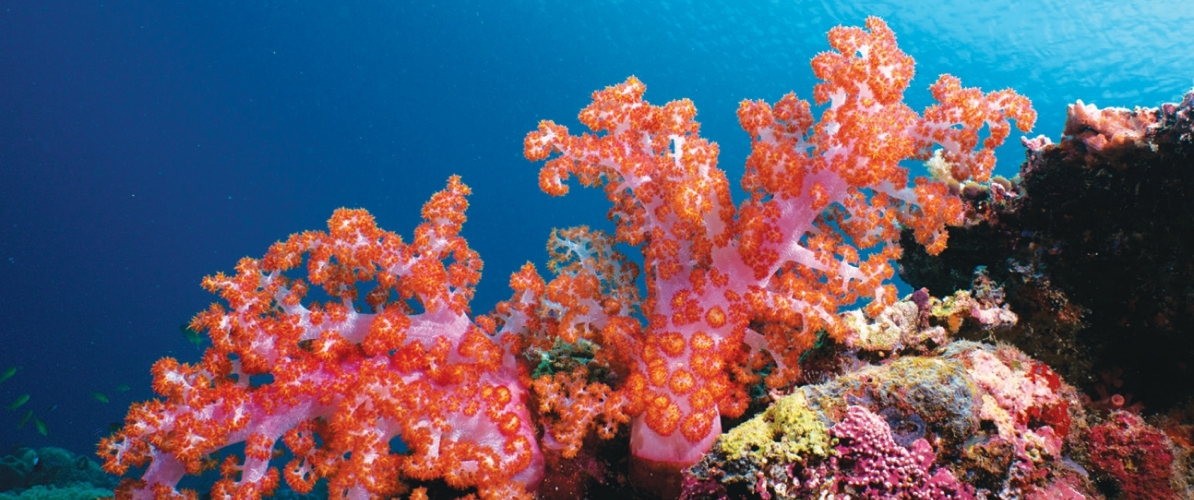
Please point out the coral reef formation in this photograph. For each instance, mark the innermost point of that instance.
(1092, 244)
(52, 473)
(368, 376)
(959, 420)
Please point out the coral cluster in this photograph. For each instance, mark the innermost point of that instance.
(349, 359)
(963, 420)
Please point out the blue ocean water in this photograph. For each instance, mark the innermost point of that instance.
(144, 145)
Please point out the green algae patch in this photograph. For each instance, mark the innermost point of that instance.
(788, 431)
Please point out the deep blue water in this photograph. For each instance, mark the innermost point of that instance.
(144, 145)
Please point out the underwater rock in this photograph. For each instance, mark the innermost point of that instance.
(969, 420)
(921, 322)
(51, 469)
(1138, 457)
(1091, 243)
(79, 491)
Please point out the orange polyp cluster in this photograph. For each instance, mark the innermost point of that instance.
(657, 371)
(681, 382)
(886, 70)
(696, 426)
(938, 208)
(662, 415)
(672, 343)
(715, 317)
(387, 332)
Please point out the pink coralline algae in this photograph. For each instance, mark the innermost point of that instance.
(1000, 423)
(872, 465)
(967, 420)
(1138, 456)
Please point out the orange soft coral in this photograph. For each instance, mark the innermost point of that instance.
(406, 363)
(724, 284)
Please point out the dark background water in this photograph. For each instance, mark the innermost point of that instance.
(144, 145)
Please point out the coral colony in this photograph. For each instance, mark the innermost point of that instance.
(767, 355)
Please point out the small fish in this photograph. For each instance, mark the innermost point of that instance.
(99, 396)
(19, 401)
(41, 427)
(192, 336)
(12, 370)
(25, 418)
(122, 388)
